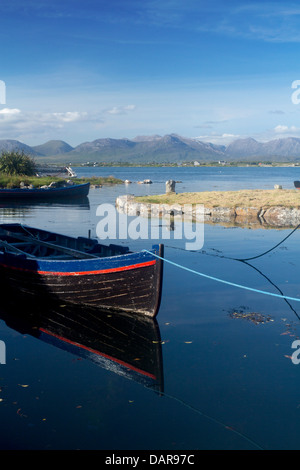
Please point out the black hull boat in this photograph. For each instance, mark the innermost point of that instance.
(46, 265)
(69, 191)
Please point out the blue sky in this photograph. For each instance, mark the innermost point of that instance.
(81, 70)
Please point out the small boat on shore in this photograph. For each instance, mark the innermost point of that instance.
(68, 191)
(297, 184)
(46, 265)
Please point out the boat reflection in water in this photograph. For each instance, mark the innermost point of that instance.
(23, 204)
(126, 345)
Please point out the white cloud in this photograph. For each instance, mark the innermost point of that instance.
(21, 125)
(278, 132)
(219, 139)
(231, 136)
(18, 115)
(16, 124)
(69, 116)
(282, 129)
(9, 111)
(120, 109)
(9, 115)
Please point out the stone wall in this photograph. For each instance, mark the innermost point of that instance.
(269, 216)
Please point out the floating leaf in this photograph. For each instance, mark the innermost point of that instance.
(21, 414)
(254, 317)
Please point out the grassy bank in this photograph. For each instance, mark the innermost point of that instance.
(14, 181)
(244, 198)
(98, 180)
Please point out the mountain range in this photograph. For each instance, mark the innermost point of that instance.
(170, 148)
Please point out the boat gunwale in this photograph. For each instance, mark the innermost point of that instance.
(75, 266)
(126, 267)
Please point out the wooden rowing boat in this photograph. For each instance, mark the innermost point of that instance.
(80, 270)
(69, 191)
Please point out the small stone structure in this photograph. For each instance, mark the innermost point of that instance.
(170, 186)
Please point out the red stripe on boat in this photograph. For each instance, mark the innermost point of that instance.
(101, 271)
(94, 351)
(82, 273)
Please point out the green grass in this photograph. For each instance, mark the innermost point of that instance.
(98, 180)
(244, 198)
(10, 182)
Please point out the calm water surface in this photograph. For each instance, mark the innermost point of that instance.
(229, 382)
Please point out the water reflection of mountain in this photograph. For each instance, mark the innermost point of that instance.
(122, 344)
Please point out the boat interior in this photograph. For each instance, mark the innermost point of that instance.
(35, 243)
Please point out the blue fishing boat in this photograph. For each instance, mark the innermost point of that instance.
(47, 265)
(68, 191)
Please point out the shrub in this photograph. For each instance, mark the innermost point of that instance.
(17, 163)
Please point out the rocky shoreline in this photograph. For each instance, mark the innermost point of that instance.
(275, 216)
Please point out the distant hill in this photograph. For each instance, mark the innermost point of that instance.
(276, 150)
(244, 148)
(7, 145)
(52, 147)
(170, 148)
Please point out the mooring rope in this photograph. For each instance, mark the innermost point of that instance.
(271, 249)
(240, 286)
(214, 420)
(242, 259)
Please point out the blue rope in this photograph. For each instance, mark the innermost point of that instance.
(222, 280)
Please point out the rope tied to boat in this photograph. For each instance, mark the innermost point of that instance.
(223, 281)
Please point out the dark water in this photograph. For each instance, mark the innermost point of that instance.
(229, 381)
